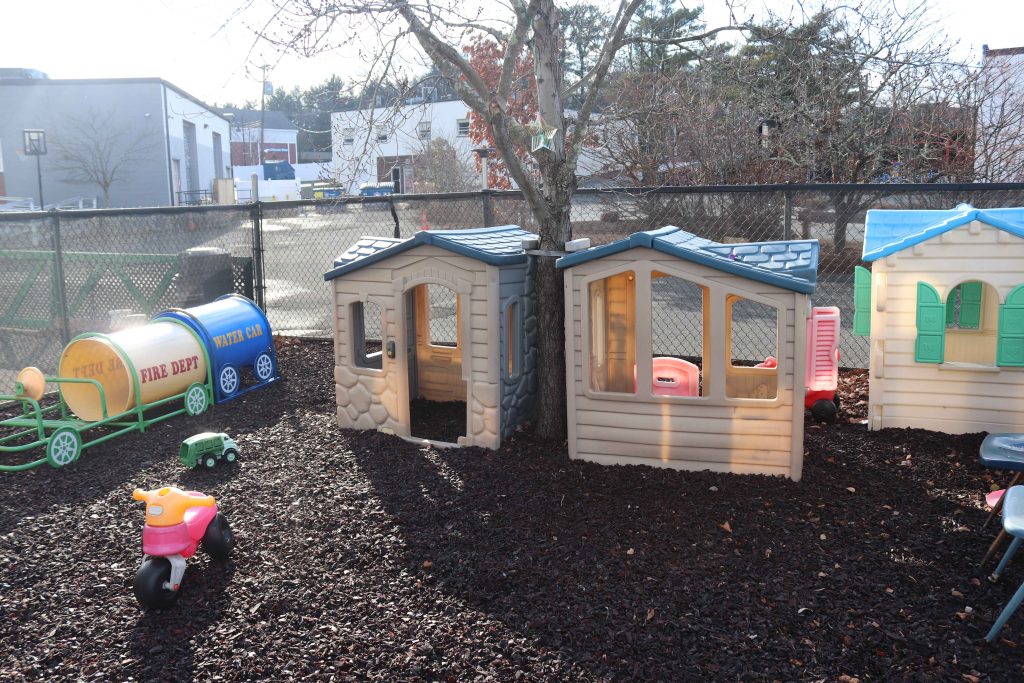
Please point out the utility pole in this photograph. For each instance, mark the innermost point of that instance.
(263, 108)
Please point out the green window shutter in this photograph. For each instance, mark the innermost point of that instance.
(1010, 347)
(931, 325)
(861, 301)
(951, 307)
(970, 305)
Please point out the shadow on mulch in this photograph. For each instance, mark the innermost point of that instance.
(866, 567)
(364, 557)
(163, 636)
(437, 420)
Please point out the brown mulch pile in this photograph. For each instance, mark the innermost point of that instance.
(362, 557)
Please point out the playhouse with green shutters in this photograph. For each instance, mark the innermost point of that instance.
(943, 304)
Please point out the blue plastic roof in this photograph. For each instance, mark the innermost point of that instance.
(792, 265)
(497, 246)
(889, 231)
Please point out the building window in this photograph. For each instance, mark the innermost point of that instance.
(382, 136)
(613, 333)
(463, 128)
(367, 322)
(348, 136)
(752, 336)
(423, 130)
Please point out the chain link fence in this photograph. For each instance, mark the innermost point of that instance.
(302, 238)
(64, 273)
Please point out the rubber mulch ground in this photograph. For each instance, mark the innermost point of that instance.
(362, 557)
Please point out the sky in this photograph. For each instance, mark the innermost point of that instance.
(199, 46)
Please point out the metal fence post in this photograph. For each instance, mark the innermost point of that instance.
(259, 276)
(60, 290)
(394, 216)
(488, 208)
(787, 230)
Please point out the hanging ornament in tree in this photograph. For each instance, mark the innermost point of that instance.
(543, 135)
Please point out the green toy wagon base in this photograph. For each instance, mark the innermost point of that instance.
(63, 436)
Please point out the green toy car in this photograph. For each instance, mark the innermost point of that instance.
(207, 449)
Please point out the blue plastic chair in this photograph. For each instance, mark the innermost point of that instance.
(1013, 524)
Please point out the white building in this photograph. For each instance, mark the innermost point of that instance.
(380, 145)
(999, 147)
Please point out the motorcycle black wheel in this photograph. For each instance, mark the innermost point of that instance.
(218, 541)
(149, 583)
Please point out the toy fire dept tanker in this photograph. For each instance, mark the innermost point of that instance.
(183, 359)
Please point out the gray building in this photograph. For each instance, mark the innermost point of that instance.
(122, 141)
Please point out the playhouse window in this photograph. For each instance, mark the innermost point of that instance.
(972, 322)
(753, 351)
(679, 321)
(963, 306)
(443, 315)
(513, 330)
(613, 333)
(367, 326)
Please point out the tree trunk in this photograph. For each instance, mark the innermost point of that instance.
(551, 396)
(841, 202)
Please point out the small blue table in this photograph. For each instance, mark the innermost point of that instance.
(1013, 524)
(1003, 452)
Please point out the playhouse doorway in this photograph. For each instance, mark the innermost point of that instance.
(437, 391)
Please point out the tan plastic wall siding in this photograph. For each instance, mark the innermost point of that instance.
(379, 399)
(956, 398)
(166, 355)
(710, 432)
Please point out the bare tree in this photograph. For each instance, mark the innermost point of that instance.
(439, 30)
(850, 89)
(439, 167)
(92, 150)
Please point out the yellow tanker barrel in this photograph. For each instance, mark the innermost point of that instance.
(166, 355)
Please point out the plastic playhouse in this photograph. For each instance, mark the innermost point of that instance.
(944, 306)
(729, 395)
(111, 384)
(442, 316)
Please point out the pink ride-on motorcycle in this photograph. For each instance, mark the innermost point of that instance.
(176, 523)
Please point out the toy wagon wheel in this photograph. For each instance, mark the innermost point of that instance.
(824, 410)
(263, 367)
(228, 380)
(196, 401)
(64, 447)
(230, 455)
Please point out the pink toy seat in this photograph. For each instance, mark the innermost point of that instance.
(674, 377)
(178, 539)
